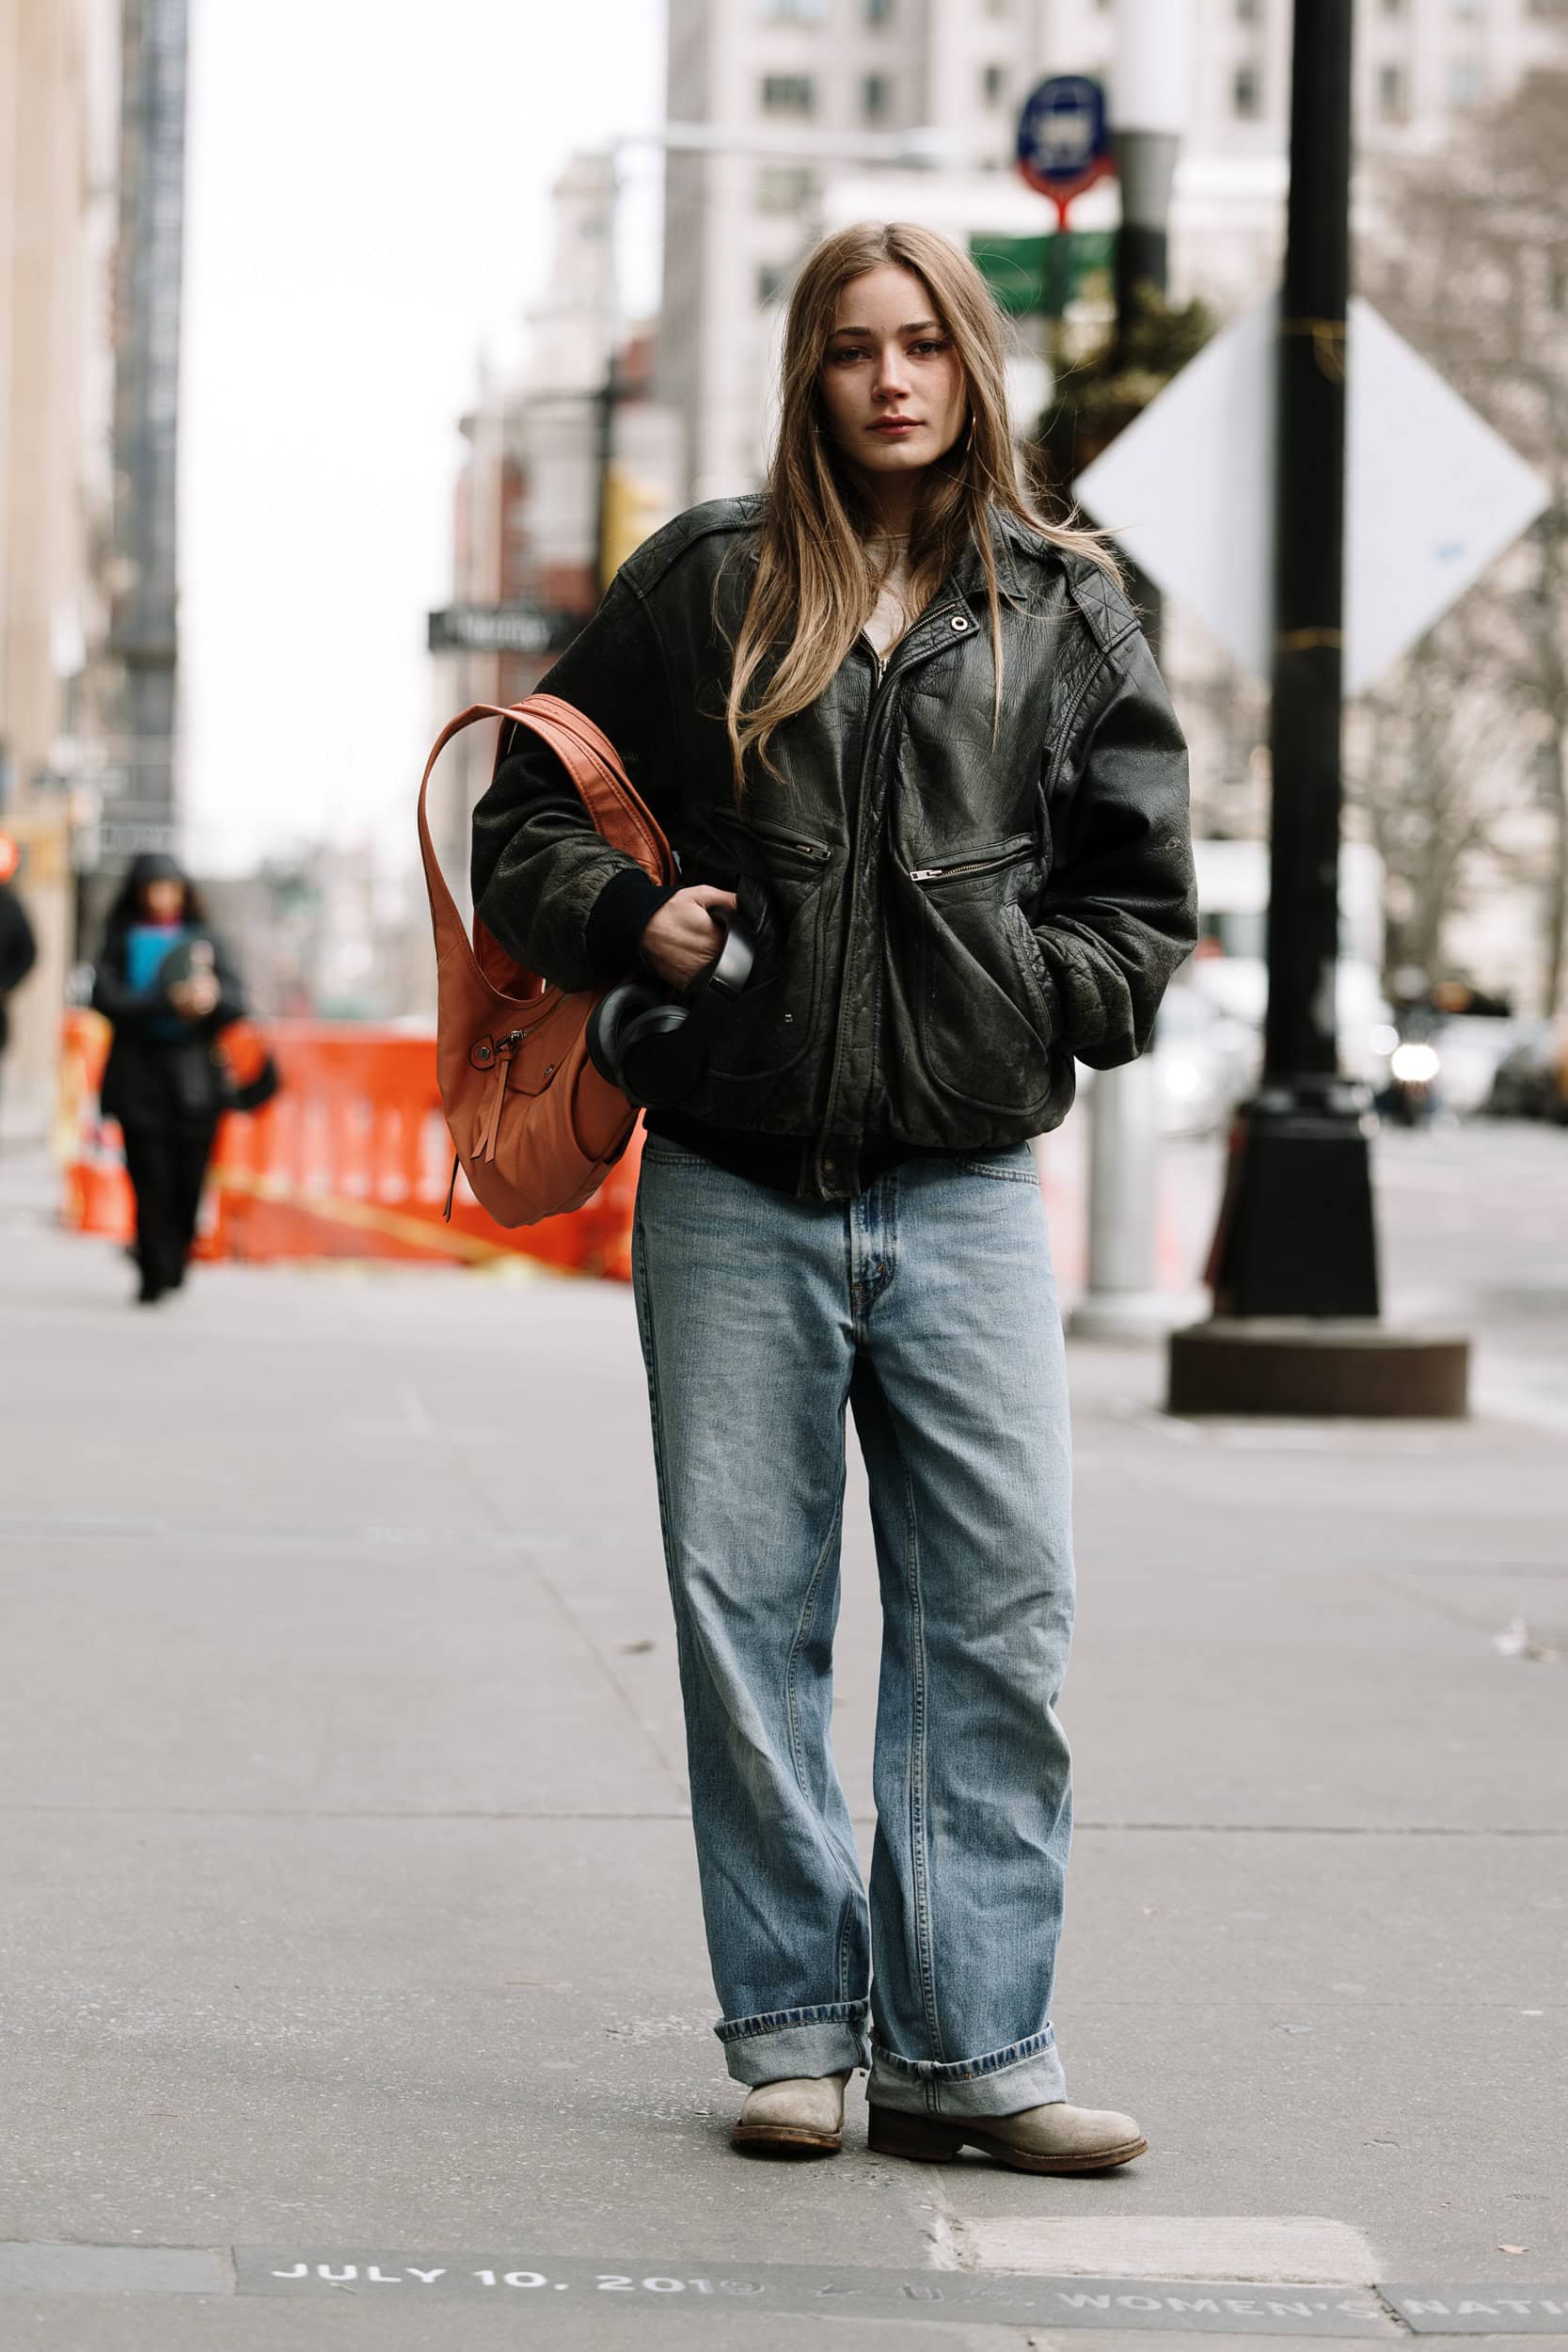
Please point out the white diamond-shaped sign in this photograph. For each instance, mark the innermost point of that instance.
(1432, 493)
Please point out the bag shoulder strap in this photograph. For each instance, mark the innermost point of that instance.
(595, 768)
(593, 765)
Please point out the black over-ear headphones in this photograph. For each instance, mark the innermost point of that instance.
(653, 1043)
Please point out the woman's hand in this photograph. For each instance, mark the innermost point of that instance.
(683, 939)
(195, 997)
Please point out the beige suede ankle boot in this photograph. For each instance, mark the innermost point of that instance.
(1055, 2138)
(801, 2116)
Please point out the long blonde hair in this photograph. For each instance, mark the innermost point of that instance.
(816, 578)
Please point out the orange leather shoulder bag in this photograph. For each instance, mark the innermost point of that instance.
(535, 1127)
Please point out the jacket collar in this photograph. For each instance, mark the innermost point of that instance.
(966, 581)
(1010, 544)
(967, 578)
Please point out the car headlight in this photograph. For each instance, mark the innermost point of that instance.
(1414, 1065)
(1182, 1079)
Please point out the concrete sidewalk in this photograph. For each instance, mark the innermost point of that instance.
(349, 1899)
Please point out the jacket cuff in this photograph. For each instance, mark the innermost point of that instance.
(621, 914)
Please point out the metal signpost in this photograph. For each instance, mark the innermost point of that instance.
(1122, 1299)
(1153, 75)
(1064, 148)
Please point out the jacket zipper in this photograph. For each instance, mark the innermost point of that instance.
(973, 866)
(813, 850)
(867, 748)
(776, 833)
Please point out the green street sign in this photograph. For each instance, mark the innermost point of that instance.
(1015, 267)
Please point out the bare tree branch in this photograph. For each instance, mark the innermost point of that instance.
(1460, 761)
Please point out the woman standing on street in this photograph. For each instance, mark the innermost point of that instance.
(162, 980)
(916, 734)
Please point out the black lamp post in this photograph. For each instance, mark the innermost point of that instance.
(1299, 1237)
(1295, 1262)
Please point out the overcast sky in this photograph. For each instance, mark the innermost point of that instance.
(368, 207)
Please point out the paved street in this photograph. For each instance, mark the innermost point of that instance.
(350, 1918)
(1473, 1235)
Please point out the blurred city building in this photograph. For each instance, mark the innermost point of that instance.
(799, 81)
(138, 787)
(93, 96)
(58, 101)
(338, 931)
(544, 481)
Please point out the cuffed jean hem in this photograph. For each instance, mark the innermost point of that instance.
(831, 2037)
(1026, 2074)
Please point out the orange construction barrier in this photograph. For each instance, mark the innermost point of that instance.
(352, 1159)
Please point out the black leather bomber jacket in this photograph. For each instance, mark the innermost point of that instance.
(945, 925)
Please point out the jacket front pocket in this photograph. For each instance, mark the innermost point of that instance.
(1037, 984)
(982, 1014)
(780, 872)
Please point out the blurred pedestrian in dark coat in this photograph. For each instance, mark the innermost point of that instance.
(164, 982)
(17, 953)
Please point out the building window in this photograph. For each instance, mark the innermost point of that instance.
(783, 188)
(1393, 7)
(876, 98)
(1249, 11)
(993, 85)
(1247, 94)
(877, 11)
(1465, 7)
(999, 8)
(1466, 81)
(773, 281)
(788, 94)
(1554, 9)
(793, 11)
(1391, 104)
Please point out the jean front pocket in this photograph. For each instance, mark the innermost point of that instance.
(1013, 1164)
(659, 1151)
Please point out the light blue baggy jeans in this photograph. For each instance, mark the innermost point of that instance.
(925, 1304)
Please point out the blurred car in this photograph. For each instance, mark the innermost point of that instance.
(1471, 1048)
(1229, 965)
(1531, 1080)
(1205, 1060)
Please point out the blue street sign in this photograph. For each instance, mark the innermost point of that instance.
(1064, 138)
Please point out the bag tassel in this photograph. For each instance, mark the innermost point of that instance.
(490, 1116)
